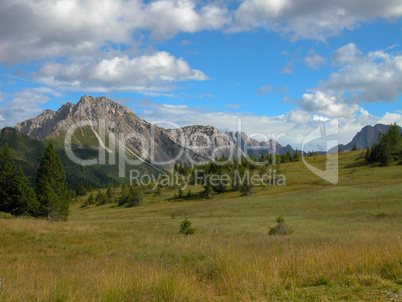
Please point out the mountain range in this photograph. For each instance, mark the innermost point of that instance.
(366, 137)
(113, 136)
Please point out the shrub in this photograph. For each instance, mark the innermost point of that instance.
(5, 215)
(131, 198)
(89, 201)
(185, 227)
(281, 228)
(100, 199)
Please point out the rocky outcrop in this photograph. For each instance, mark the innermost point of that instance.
(140, 139)
(154, 145)
(366, 137)
(255, 148)
(206, 141)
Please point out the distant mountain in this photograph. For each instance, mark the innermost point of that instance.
(366, 137)
(99, 126)
(256, 148)
(140, 139)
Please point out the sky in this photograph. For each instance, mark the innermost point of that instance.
(278, 68)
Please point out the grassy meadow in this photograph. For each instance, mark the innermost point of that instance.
(346, 245)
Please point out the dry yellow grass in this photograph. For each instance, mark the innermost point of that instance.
(339, 249)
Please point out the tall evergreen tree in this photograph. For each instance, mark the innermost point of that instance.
(51, 187)
(16, 195)
(8, 174)
(26, 202)
(296, 156)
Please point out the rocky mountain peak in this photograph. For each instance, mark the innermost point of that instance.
(93, 107)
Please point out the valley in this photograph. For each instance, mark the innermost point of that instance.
(345, 244)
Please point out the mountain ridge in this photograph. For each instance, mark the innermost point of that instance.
(366, 137)
(119, 119)
(189, 145)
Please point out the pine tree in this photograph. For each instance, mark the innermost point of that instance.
(367, 155)
(8, 173)
(51, 187)
(81, 191)
(25, 202)
(354, 147)
(296, 156)
(100, 199)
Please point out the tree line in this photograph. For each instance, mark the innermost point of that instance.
(387, 149)
(50, 198)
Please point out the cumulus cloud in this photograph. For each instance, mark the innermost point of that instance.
(365, 78)
(79, 28)
(312, 19)
(150, 72)
(291, 127)
(323, 104)
(167, 18)
(76, 28)
(298, 116)
(264, 89)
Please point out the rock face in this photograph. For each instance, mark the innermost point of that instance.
(366, 137)
(125, 131)
(256, 148)
(138, 138)
(206, 141)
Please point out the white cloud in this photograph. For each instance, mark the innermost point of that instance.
(287, 70)
(264, 89)
(234, 106)
(374, 77)
(147, 73)
(347, 54)
(390, 118)
(295, 125)
(167, 18)
(298, 116)
(80, 28)
(24, 104)
(314, 60)
(326, 105)
(312, 19)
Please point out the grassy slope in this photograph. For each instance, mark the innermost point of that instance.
(27, 153)
(339, 250)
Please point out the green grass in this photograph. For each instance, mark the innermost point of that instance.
(346, 245)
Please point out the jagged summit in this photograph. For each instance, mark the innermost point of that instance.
(51, 123)
(200, 142)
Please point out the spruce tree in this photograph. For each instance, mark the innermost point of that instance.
(296, 156)
(8, 174)
(51, 187)
(25, 202)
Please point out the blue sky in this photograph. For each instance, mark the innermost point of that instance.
(281, 66)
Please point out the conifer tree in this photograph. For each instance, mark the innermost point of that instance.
(25, 202)
(16, 194)
(51, 187)
(296, 156)
(8, 174)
